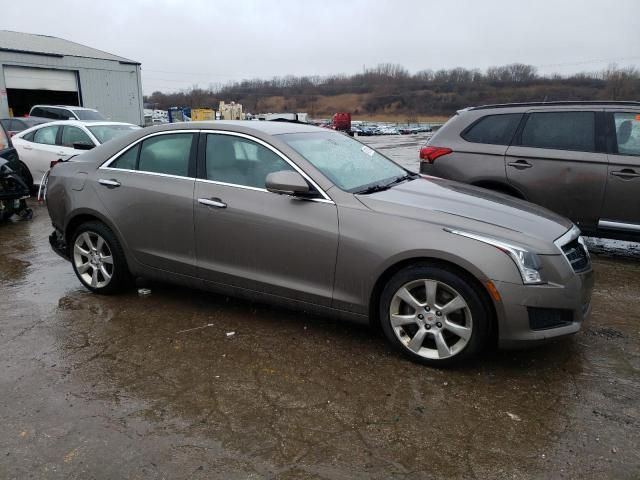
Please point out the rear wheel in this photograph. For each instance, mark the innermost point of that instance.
(433, 315)
(98, 258)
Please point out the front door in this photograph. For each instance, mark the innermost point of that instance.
(148, 191)
(555, 162)
(621, 209)
(250, 238)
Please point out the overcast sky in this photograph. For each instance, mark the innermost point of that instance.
(185, 42)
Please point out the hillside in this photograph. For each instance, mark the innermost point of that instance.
(389, 92)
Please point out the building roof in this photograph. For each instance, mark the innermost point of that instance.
(52, 46)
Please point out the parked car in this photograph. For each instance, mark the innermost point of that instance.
(65, 112)
(579, 159)
(303, 216)
(40, 145)
(17, 124)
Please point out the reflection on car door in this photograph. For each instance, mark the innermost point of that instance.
(621, 209)
(148, 191)
(558, 161)
(250, 238)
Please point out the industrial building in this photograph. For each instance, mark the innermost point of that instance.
(39, 69)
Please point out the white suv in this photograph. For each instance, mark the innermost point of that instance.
(65, 112)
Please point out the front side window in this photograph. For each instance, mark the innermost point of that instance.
(71, 135)
(627, 133)
(560, 131)
(348, 163)
(493, 129)
(167, 154)
(46, 135)
(240, 161)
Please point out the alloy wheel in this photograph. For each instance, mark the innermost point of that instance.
(431, 319)
(93, 259)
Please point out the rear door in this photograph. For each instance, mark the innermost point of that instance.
(40, 151)
(250, 238)
(148, 191)
(558, 160)
(621, 209)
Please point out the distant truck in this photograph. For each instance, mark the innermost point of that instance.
(341, 121)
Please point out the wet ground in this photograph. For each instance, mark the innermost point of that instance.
(156, 387)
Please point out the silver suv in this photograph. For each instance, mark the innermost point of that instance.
(579, 159)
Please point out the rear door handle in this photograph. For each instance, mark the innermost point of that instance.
(626, 173)
(27, 147)
(212, 202)
(520, 164)
(109, 183)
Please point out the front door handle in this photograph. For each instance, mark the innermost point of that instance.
(109, 183)
(520, 164)
(27, 147)
(212, 202)
(625, 173)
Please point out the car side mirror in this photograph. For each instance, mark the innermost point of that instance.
(83, 146)
(287, 182)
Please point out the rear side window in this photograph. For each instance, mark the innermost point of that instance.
(166, 154)
(627, 133)
(46, 135)
(38, 112)
(560, 131)
(493, 129)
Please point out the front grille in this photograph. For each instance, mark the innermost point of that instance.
(577, 255)
(544, 318)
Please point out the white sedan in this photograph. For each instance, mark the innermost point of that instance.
(39, 146)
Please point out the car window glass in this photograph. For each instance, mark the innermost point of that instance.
(345, 161)
(560, 131)
(168, 154)
(493, 129)
(46, 135)
(240, 161)
(37, 112)
(88, 115)
(627, 133)
(127, 160)
(71, 135)
(29, 136)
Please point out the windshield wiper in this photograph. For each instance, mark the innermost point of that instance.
(374, 188)
(386, 186)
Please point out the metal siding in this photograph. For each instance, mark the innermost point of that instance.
(112, 87)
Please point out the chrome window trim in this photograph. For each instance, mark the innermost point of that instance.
(142, 172)
(105, 165)
(621, 226)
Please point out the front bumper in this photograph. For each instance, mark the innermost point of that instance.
(58, 244)
(571, 301)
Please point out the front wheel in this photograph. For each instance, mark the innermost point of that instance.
(98, 258)
(433, 314)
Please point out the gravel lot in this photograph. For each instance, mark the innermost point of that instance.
(155, 387)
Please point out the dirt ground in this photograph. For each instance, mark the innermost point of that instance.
(156, 387)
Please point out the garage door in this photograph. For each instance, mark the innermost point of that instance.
(40, 79)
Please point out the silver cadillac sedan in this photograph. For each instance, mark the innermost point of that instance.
(310, 218)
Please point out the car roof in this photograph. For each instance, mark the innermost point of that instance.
(563, 103)
(247, 126)
(69, 107)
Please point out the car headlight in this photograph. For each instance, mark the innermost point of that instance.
(528, 263)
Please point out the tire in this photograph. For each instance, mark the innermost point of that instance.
(424, 325)
(89, 257)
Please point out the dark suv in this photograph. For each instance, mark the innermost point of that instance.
(580, 159)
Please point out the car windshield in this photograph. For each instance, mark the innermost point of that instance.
(88, 115)
(104, 133)
(349, 164)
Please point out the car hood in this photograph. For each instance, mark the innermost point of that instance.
(459, 206)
